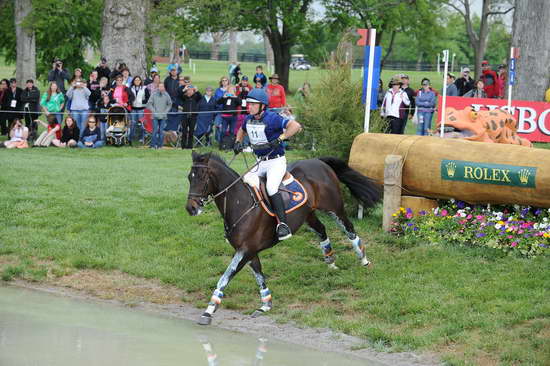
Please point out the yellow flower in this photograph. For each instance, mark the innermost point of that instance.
(402, 209)
(394, 215)
(500, 222)
(546, 235)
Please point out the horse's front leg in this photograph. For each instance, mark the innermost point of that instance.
(237, 263)
(265, 293)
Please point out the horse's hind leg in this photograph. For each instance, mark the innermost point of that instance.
(318, 228)
(237, 263)
(265, 294)
(342, 220)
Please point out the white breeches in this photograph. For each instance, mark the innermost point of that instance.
(274, 170)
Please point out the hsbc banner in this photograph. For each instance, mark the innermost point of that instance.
(533, 117)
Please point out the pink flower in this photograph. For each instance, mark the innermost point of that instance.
(509, 236)
(469, 217)
(514, 244)
(409, 215)
(444, 212)
(462, 222)
(520, 231)
(480, 217)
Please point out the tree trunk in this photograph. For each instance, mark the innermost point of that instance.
(281, 55)
(346, 46)
(123, 36)
(233, 46)
(26, 49)
(217, 38)
(173, 49)
(270, 58)
(532, 35)
(390, 47)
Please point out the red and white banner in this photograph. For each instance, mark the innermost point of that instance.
(532, 117)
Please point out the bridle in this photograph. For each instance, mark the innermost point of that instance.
(202, 198)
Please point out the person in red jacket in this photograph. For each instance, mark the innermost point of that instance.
(276, 93)
(491, 81)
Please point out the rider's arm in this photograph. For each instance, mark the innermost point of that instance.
(240, 135)
(292, 128)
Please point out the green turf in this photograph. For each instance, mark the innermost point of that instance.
(124, 209)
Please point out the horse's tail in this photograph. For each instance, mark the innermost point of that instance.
(363, 188)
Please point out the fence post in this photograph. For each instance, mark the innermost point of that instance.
(393, 165)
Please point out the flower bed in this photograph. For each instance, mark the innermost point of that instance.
(520, 230)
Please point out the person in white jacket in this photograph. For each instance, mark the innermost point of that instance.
(394, 106)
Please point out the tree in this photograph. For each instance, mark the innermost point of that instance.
(531, 33)
(26, 47)
(478, 37)
(217, 39)
(233, 46)
(123, 35)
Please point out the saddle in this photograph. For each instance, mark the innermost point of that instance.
(292, 191)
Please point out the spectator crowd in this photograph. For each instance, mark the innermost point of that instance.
(78, 108)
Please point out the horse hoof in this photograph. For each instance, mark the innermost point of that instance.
(205, 319)
(366, 263)
(332, 266)
(257, 313)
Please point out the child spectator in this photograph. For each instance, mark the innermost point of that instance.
(53, 131)
(70, 134)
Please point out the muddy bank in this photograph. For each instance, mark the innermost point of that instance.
(151, 296)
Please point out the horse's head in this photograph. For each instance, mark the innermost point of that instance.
(200, 184)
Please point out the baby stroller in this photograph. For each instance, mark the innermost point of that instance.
(117, 126)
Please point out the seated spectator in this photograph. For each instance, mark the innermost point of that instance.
(205, 120)
(477, 92)
(121, 94)
(189, 106)
(69, 136)
(452, 91)
(102, 111)
(426, 101)
(160, 104)
(53, 101)
(80, 106)
(18, 136)
(53, 131)
(230, 102)
(91, 137)
(305, 90)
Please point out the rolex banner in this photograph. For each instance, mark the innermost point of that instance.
(533, 118)
(475, 172)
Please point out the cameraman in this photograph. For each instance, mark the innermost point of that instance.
(58, 74)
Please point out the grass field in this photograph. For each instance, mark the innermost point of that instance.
(124, 209)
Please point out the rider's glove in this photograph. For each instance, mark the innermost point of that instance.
(278, 141)
(238, 147)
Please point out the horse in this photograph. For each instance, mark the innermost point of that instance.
(250, 230)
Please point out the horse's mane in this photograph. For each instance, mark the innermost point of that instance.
(212, 156)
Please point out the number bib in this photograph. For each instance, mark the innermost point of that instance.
(256, 133)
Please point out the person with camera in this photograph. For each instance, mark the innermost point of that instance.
(80, 104)
(18, 136)
(59, 75)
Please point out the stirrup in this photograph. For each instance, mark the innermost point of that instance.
(283, 231)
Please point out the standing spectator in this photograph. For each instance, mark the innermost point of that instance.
(243, 89)
(117, 71)
(260, 76)
(171, 85)
(80, 103)
(14, 100)
(126, 77)
(174, 65)
(218, 94)
(478, 91)
(97, 94)
(189, 105)
(206, 120)
(502, 80)
(154, 85)
(121, 94)
(142, 95)
(77, 76)
(59, 75)
(381, 94)
(411, 94)
(305, 90)
(490, 80)
(425, 102)
(235, 74)
(464, 83)
(53, 131)
(102, 110)
(160, 103)
(452, 91)
(102, 69)
(152, 73)
(394, 106)
(4, 103)
(229, 102)
(276, 94)
(91, 137)
(52, 102)
(30, 98)
(95, 88)
(69, 135)
(18, 136)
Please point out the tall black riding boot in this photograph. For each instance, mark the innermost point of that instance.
(283, 231)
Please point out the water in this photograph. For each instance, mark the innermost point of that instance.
(43, 329)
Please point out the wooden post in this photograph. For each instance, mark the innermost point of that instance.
(392, 188)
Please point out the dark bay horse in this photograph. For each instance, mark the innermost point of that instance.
(249, 229)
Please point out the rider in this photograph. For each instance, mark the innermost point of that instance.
(267, 130)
